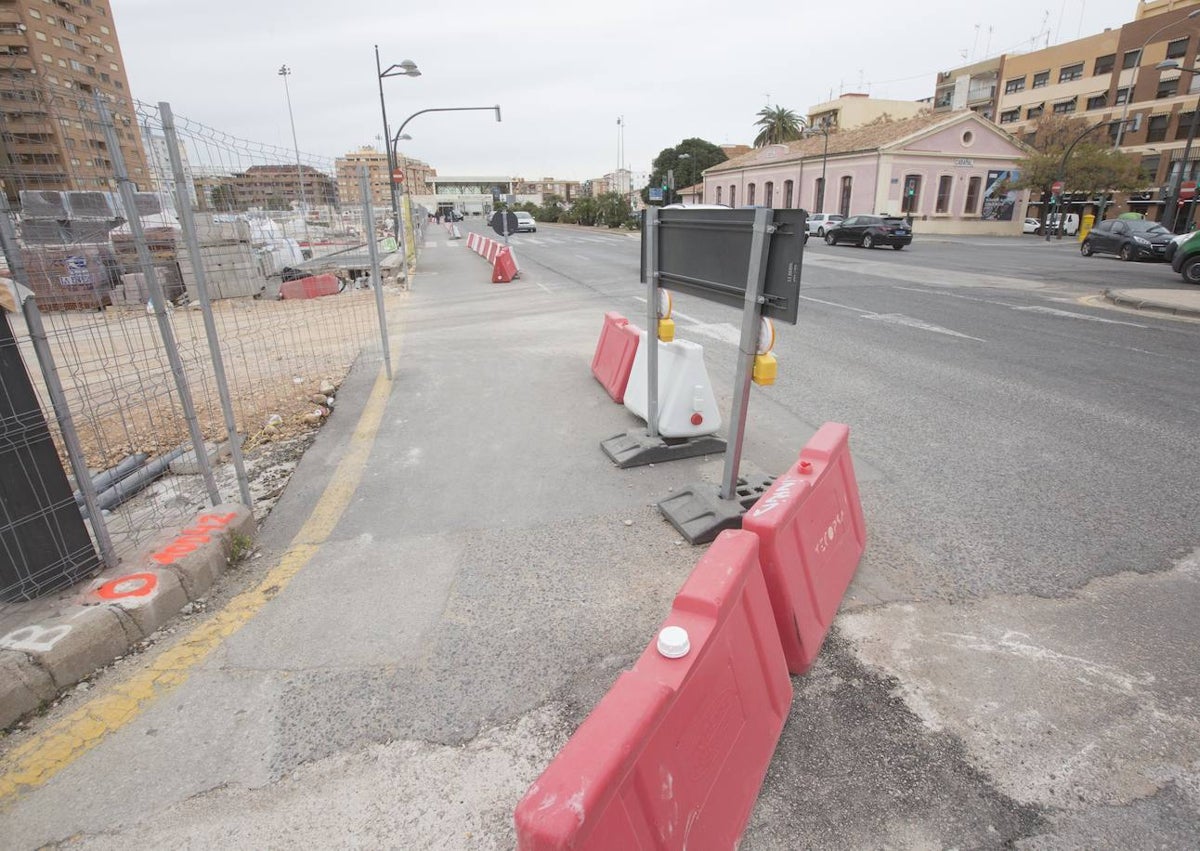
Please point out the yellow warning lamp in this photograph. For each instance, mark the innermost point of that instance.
(766, 368)
(666, 325)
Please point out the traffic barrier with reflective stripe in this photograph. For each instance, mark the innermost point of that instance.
(674, 755)
(505, 268)
(813, 534)
(615, 351)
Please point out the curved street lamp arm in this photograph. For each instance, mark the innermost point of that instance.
(400, 132)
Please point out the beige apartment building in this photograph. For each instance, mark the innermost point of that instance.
(55, 56)
(348, 170)
(854, 110)
(1105, 77)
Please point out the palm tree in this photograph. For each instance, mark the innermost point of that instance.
(778, 125)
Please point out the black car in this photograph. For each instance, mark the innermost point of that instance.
(869, 231)
(1129, 239)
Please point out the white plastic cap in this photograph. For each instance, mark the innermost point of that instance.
(673, 642)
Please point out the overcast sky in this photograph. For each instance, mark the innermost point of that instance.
(562, 71)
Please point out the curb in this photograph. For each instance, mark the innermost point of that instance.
(117, 610)
(1142, 304)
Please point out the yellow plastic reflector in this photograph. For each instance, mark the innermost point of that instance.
(666, 330)
(765, 369)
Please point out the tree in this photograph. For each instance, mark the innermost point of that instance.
(688, 170)
(224, 198)
(551, 209)
(583, 211)
(612, 209)
(777, 125)
(1093, 166)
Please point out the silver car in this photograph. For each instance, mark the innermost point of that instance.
(525, 222)
(819, 223)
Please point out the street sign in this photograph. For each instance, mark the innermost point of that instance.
(504, 223)
(656, 193)
(1056, 187)
(1187, 190)
(397, 175)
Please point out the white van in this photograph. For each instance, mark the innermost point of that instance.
(1070, 228)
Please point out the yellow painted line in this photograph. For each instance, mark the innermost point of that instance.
(33, 763)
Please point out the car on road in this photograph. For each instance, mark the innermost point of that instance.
(1070, 226)
(870, 231)
(1128, 239)
(1174, 244)
(1032, 226)
(1187, 258)
(525, 222)
(818, 223)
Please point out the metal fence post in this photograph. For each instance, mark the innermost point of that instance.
(187, 221)
(157, 299)
(364, 184)
(58, 398)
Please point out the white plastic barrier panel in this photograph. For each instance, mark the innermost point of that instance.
(686, 404)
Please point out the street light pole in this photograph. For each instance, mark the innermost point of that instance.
(824, 131)
(286, 72)
(407, 68)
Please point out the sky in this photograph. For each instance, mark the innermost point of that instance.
(562, 72)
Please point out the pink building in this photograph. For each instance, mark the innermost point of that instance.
(946, 171)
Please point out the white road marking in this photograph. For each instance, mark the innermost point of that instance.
(833, 304)
(908, 321)
(722, 331)
(583, 257)
(1053, 311)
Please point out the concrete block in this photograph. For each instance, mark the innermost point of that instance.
(23, 686)
(72, 646)
(148, 597)
(199, 569)
(198, 554)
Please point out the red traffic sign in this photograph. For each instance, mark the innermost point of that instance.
(397, 175)
(1056, 187)
(1187, 190)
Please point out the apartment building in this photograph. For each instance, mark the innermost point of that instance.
(972, 87)
(856, 110)
(568, 190)
(55, 57)
(158, 162)
(1106, 77)
(348, 170)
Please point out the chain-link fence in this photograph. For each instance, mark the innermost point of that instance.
(209, 288)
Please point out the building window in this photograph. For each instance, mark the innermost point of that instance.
(1017, 84)
(1065, 107)
(750, 194)
(1097, 102)
(769, 194)
(732, 196)
(945, 183)
(1185, 124)
(1104, 64)
(1010, 116)
(787, 194)
(1167, 89)
(1131, 59)
(972, 196)
(1041, 79)
(1157, 129)
(1149, 167)
(1177, 49)
(911, 200)
(844, 201)
(819, 195)
(1036, 111)
(1122, 96)
(1071, 72)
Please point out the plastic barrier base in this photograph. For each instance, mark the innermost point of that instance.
(505, 268)
(637, 448)
(312, 287)
(813, 536)
(699, 513)
(674, 755)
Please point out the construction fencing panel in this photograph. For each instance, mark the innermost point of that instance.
(129, 370)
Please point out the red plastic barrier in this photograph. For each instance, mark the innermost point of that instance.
(674, 755)
(471, 237)
(492, 250)
(313, 287)
(614, 355)
(813, 534)
(505, 268)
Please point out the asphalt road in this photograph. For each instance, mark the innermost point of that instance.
(1014, 666)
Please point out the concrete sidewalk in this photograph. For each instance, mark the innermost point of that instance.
(1180, 301)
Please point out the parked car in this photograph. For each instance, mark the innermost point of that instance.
(818, 223)
(1032, 226)
(869, 231)
(1187, 258)
(1129, 240)
(525, 222)
(1070, 226)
